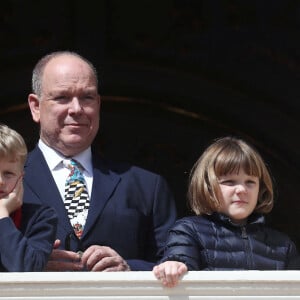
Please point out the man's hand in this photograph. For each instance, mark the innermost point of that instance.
(101, 258)
(62, 260)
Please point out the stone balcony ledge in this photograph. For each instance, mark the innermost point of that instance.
(143, 285)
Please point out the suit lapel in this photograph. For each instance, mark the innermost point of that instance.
(104, 183)
(40, 180)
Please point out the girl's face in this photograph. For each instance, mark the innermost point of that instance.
(10, 172)
(239, 195)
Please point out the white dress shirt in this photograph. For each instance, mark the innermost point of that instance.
(60, 173)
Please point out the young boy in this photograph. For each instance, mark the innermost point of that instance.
(25, 243)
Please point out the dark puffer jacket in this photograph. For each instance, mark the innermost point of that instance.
(214, 243)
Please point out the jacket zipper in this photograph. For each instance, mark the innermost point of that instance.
(247, 248)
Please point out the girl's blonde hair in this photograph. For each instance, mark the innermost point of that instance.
(12, 145)
(227, 155)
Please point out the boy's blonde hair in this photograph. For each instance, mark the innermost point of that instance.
(227, 155)
(12, 145)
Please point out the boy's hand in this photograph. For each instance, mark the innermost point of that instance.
(170, 272)
(13, 200)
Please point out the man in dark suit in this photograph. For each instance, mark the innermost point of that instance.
(130, 210)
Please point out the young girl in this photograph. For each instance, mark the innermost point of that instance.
(230, 190)
(25, 242)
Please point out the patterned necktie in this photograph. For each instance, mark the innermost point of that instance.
(76, 197)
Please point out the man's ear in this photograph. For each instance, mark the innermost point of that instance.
(34, 105)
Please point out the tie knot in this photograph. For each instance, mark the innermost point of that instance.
(72, 163)
(75, 169)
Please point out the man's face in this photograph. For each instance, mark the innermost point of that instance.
(69, 106)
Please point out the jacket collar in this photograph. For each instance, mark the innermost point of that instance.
(254, 218)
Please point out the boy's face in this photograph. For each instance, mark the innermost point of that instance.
(10, 171)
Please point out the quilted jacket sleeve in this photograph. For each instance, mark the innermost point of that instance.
(182, 245)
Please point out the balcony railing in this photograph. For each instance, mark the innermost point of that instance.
(142, 285)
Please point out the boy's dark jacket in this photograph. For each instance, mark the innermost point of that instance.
(26, 239)
(212, 242)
